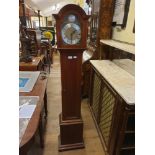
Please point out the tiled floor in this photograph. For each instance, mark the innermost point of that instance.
(92, 142)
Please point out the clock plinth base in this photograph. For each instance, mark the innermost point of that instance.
(69, 146)
(71, 134)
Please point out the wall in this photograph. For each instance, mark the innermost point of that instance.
(126, 34)
(80, 2)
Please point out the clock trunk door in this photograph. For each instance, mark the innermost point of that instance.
(71, 84)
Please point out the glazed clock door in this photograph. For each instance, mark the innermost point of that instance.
(71, 30)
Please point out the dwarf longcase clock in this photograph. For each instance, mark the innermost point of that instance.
(71, 30)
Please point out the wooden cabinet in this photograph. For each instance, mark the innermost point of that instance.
(35, 65)
(126, 136)
(35, 36)
(88, 54)
(112, 106)
(112, 49)
(99, 28)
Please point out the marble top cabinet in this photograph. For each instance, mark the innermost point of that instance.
(112, 49)
(122, 81)
(126, 64)
(112, 104)
(130, 48)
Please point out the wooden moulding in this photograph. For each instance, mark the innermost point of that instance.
(71, 134)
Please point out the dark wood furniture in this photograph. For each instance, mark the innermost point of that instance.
(88, 54)
(24, 14)
(100, 27)
(35, 65)
(112, 106)
(94, 25)
(37, 118)
(113, 49)
(71, 123)
(39, 17)
(91, 46)
(94, 28)
(47, 50)
(35, 36)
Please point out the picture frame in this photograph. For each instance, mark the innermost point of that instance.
(120, 18)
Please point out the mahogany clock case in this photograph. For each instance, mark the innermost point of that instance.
(83, 21)
(70, 120)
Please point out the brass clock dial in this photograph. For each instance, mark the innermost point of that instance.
(71, 31)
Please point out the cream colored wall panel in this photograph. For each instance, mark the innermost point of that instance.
(126, 34)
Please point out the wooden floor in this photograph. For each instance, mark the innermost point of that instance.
(92, 142)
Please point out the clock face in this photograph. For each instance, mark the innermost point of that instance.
(71, 31)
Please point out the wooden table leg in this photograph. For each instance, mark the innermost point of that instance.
(41, 132)
(45, 104)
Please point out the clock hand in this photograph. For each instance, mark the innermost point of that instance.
(73, 32)
(72, 35)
